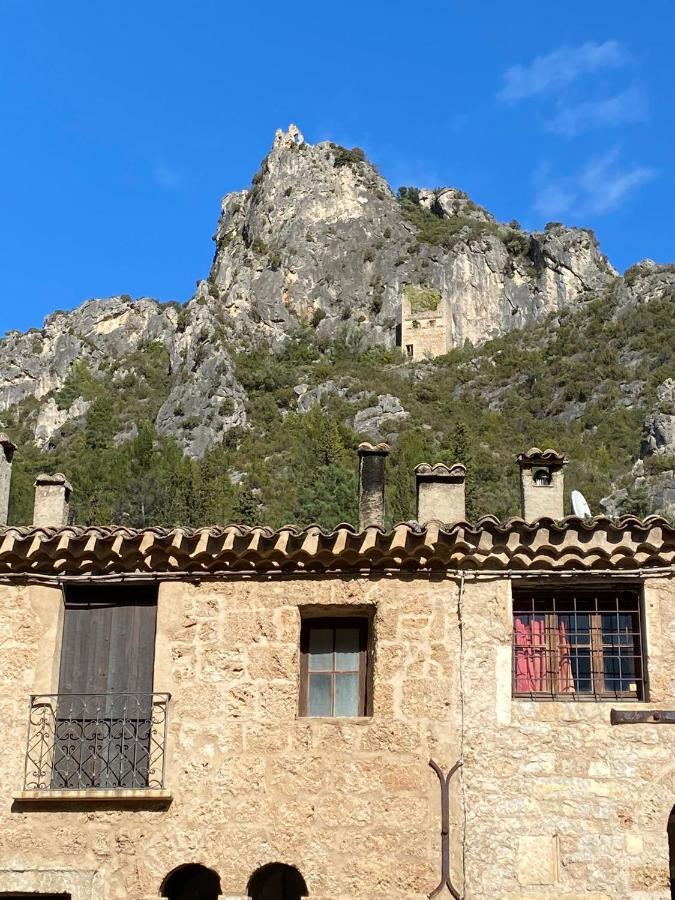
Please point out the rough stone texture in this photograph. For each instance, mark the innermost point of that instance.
(77, 884)
(441, 493)
(659, 429)
(646, 281)
(541, 500)
(353, 803)
(371, 420)
(50, 419)
(372, 467)
(37, 364)
(307, 398)
(318, 241)
(658, 441)
(424, 333)
(545, 770)
(454, 202)
(52, 501)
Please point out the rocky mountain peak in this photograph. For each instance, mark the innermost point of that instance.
(320, 239)
(318, 245)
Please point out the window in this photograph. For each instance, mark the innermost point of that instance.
(105, 707)
(409, 350)
(542, 478)
(333, 671)
(574, 644)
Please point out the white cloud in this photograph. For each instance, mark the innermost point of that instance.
(168, 178)
(627, 107)
(597, 189)
(561, 68)
(606, 183)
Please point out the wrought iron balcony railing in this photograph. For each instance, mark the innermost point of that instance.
(96, 742)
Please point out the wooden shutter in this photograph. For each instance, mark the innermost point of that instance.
(108, 640)
(107, 654)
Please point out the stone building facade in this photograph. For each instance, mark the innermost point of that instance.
(426, 323)
(468, 767)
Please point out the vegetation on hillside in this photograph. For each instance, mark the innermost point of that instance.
(569, 382)
(433, 227)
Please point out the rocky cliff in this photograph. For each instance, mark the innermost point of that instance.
(318, 242)
(319, 252)
(320, 238)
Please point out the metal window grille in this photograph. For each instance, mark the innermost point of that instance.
(577, 644)
(96, 741)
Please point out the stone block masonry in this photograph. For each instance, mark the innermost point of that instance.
(426, 323)
(551, 800)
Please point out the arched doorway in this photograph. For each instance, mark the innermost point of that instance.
(277, 881)
(671, 850)
(191, 882)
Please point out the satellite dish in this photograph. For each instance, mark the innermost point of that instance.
(579, 505)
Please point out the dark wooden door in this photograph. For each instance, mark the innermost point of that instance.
(105, 687)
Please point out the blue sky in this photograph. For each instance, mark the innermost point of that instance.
(122, 124)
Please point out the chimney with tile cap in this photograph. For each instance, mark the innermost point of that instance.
(372, 473)
(440, 493)
(542, 483)
(7, 449)
(52, 501)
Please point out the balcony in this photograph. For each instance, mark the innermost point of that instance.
(89, 745)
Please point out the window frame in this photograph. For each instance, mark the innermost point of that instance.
(362, 623)
(597, 645)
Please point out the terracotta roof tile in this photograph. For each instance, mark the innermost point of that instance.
(573, 543)
(535, 456)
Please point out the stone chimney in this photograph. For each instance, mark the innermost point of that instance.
(372, 473)
(52, 501)
(440, 493)
(542, 484)
(7, 449)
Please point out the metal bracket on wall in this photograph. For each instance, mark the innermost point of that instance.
(642, 717)
(445, 881)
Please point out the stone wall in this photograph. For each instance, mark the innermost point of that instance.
(353, 804)
(428, 332)
(560, 803)
(551, 801)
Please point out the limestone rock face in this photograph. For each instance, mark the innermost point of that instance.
(101, 332)
(310, 397)
(371, 421)
(50, 419)
(652, 478)
(36, 363)
(569, 262)
(320, 242)
(453, 202)
(659, 429)
(320, 238)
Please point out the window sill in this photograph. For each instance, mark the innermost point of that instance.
(122, 797)
(575, 699)
(336, 720)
